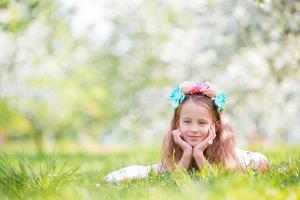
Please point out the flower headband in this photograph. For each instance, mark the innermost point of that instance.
(177, 95)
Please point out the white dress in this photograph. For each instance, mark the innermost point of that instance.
(248, 159)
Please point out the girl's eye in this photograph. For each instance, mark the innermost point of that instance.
(186, 122)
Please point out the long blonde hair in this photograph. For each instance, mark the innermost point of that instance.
(220, 152)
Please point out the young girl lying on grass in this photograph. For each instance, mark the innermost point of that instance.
(198, 136)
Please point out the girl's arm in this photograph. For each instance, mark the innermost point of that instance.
(199, 148)
(185, 160)
(200, 159)
(187, 149)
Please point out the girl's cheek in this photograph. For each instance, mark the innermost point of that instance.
(205, 129)
(183, 128)
(183, 131)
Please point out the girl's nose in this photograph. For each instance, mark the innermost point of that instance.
(194, 129)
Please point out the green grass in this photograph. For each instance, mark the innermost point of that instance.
(79, 176)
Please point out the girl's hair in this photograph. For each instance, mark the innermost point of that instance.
(220, 152)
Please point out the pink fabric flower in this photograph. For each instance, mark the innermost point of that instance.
(199, 88)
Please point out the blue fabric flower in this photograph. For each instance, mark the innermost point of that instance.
(220, 101)
(176, 97)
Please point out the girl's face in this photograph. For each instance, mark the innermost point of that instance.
(194, 122)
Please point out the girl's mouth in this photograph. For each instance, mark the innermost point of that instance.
(193, 136)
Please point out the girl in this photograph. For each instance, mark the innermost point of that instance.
(198, 134)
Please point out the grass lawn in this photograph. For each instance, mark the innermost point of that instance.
(26, 175)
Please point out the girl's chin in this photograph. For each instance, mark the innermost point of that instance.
(193, 143)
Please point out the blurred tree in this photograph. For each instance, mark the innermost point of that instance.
(62, 84)
(230, 43)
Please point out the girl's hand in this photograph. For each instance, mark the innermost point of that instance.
(178, 140)
(199, 148)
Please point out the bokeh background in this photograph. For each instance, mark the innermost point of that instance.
(83, 75)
